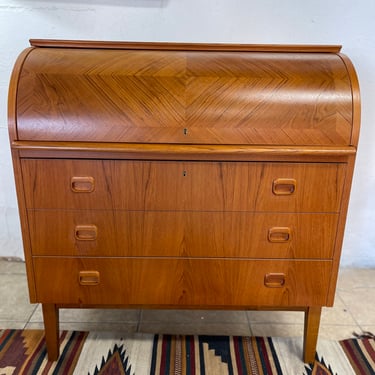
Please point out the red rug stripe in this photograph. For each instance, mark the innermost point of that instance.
(264, 356)
(192, 355)
(355, 357)
(369, 348)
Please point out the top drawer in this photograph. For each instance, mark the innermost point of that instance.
(176, 96)
(173, 185)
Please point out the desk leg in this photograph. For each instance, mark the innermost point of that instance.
(51, 328)
(312, 321)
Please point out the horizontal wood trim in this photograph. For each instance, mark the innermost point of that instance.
(54, 43)
(175, 151)
(174, 307)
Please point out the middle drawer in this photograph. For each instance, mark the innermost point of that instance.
(182, 233)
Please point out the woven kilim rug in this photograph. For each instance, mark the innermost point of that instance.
(23, 352)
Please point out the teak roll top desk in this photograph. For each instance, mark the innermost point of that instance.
(161, 175)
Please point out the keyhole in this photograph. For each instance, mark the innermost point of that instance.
(185, 131)
(184, 173)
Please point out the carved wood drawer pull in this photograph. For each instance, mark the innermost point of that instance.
(86, 232)
(284, 186)
(274, 280)
(89, 278)
(279, 234)
(82, 184)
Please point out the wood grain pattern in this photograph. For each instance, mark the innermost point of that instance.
(311, 330)
(193, 282)
(340, 230)
(51, 323)
(22, 209)
(167, 185)
(152, 151)
(356, 98)
(184, 97)
(183, 175)
(186, 234)
(12, 94)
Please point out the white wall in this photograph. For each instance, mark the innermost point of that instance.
(346, 22)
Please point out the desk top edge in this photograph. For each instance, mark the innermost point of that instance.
(91, 44)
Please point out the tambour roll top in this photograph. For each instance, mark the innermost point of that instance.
(184, 94)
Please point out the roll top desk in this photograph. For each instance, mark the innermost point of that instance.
(161, 175)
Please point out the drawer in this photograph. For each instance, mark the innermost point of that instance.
(182, 233)
(201, 186)
(181, 282)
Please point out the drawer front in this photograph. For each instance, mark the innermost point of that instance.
(202, 186)
(177, 233)
(181, 282)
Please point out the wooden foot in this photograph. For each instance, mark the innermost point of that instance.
(312, 321)
(51, 327)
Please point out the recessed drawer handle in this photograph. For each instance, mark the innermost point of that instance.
(284, 186)
(82, 184)
(274, 280)
(89, 277)
(279, 234)
(86, 232)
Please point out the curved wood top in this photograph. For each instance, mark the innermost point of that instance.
(184, 94)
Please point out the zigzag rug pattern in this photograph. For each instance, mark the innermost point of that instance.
(102, 353)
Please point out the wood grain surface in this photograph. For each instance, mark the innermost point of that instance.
(192, 282)
(176, 233)
(182, 175)
(184, 97)
(198, 186)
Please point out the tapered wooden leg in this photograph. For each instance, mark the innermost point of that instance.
(312, 321)
(51, 328)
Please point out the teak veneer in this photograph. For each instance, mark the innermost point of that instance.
(161, 175)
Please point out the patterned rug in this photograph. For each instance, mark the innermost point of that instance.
(98, 353)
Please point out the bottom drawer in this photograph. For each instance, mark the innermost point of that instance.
(181, 282)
